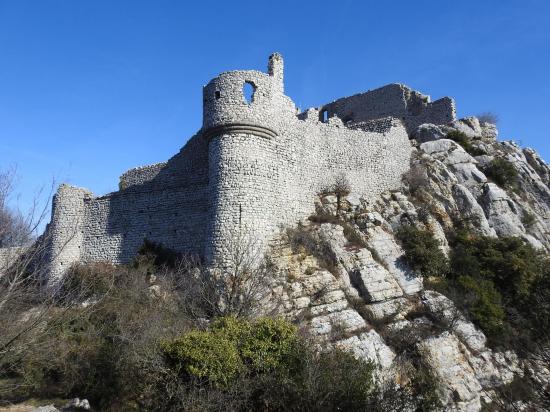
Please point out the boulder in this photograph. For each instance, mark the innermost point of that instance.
(368, 346)
(471, 211)
(373, 280)
(428, 132)
(460, 162)
(469, 126)
(502, 213)
(444, 355)
(344, 321)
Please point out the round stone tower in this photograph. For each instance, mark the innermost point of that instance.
(243, 143)
(65, 232)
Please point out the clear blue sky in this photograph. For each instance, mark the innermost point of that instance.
(89, 89)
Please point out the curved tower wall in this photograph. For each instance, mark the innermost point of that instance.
(66, 231)
(242, 156)
(243, 185)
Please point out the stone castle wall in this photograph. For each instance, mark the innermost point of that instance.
(254, 167)
(394, 100)
(140, 175)
(262, 180)
(168, 205)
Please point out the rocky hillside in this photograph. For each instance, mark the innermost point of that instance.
(433, 297)
(371, 276)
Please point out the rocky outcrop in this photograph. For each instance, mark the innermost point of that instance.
(357, 293)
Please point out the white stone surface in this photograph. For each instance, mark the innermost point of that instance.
(370, 347)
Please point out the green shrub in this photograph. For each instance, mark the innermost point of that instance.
(502, 284)
(509, 262)
(484, 304)
(422, 251)
(528, 219)
(269, 344)
(275, 370)
(538, 305)
(503, 173)
(204, 355)
(233, 346)
(465, 142)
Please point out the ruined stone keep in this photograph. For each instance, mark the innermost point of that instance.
(255, 165)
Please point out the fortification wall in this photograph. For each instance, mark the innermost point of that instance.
(66, 231)
(165, 203)
(255, 167)
(263, 183)
(394, 100)
(171, 209)
(140, 175)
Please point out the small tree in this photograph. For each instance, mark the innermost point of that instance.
(488, 117)
(241, 285)
(341, 188)
(503, 173)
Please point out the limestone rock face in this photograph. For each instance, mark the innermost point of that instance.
(355, 292)
(502, 214)
(470, 126)
(369, 346)
(471, 209)
(428, 132)
(444, 355)
(460, 162)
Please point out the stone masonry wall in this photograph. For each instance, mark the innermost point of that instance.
(140, 175)
(255, 167)
(66, 231)
(394, 100)
(169, 207)
(260, 183)
(261, 186)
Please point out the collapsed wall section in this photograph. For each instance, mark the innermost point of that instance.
(395, 100)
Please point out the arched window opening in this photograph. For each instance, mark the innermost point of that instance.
(248, 91)
(217, 94)
(324, 116)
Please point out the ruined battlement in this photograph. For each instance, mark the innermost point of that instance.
(396, 100)
(255, 166)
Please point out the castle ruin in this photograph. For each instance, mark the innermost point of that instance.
(254, 165)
